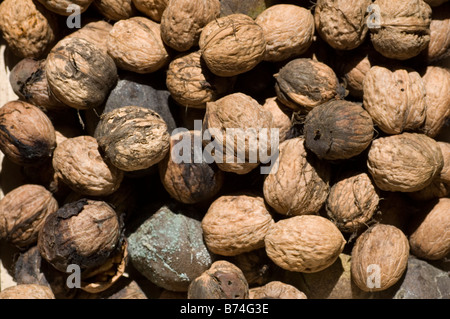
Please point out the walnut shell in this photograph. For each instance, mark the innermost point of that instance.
(28, 29)
(445, 172)
(192, 84)
(338, 130)
(27, 136)
(379, 258)
(61, 6)
(232, 45)
(405, 162)
(439, 46)
(151, 8)
(437, 85)
(95, 32)
(404, 28)
(276, 290)
(353, 201)
(288, 30)
(281, 117)
(395, 98)
(430, 240)
(22, 213)
(235, 224)
(342, 24)
(133, 137)
(306, 243)
(183, 20)
(79, 164)
(85, 233)
(187, 178)
(116, 9)
(303, 83)
(300, 185)
(135, 45)
(27, 291)
(79, 73)
(223, 280)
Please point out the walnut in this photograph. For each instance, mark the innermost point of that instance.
(151, 8)
(78, 163)
(232, 45)
(307, 243)
(27, 291)
(445, 172)
(281, 117)
(235, 224)
(135, 44)
(439, 46)
(62, 7)
(288, 30)
(303, 83)
(95, 32)
(276, 290)
(405, 162)
(404, 28)
(338, 130)
(79, 73)
(28, 29)
(183, 21)
(192, 84)
(381, 250)
(342, 24)
(300, 185)
(27, 136)
(395, 98)
(133, 137)
(115, 9)
(22, 213)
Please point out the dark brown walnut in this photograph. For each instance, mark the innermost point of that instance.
(406, 162)
(338, 130)
(281, 117)
(27, 136)
(185, 174)
(342, 24)
(95, 32)
(353, 201)
(223, 280)
(22, 213)
(116, 9)
(403, 28)
(66, 7)
(79, 164)
(151, 8)
(85, 233)
(135, 45)
(27, 291)
(232, 45)
(276, 290)
(288, 30)
(300, 184)
(183, 21)
(133, 137)
(395, 98)
(439, 46)
(192, 84)
(79, 73)
(28, 28)
(379, 258)
(303, 84)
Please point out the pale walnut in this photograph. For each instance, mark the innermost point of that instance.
(66, 7)
(116, 9)
(151, 8)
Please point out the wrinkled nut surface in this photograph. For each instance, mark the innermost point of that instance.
(379, 258)
(445, 172)
(281, 117)
(276, 290)
(307, 243)
(303, 84)
(395, 99)
(338, 130)
(300, 185)
(28, 28)
(79, 73)
(431, 239)
(135, 45)
(27, 135)
(79, 164)
(66, 7)
(22, 213)
(85, 233)
(27, 291)
(223, 280)
(232, 45)
(342, 24)
(405, 162)
(439, 46)
(133, 137)
(403, 30)
(183, 21)
(151, 8)
(288, 30)
(116, 9)
(95, 32)
(235, 224)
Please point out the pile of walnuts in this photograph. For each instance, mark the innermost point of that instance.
(338, 182)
